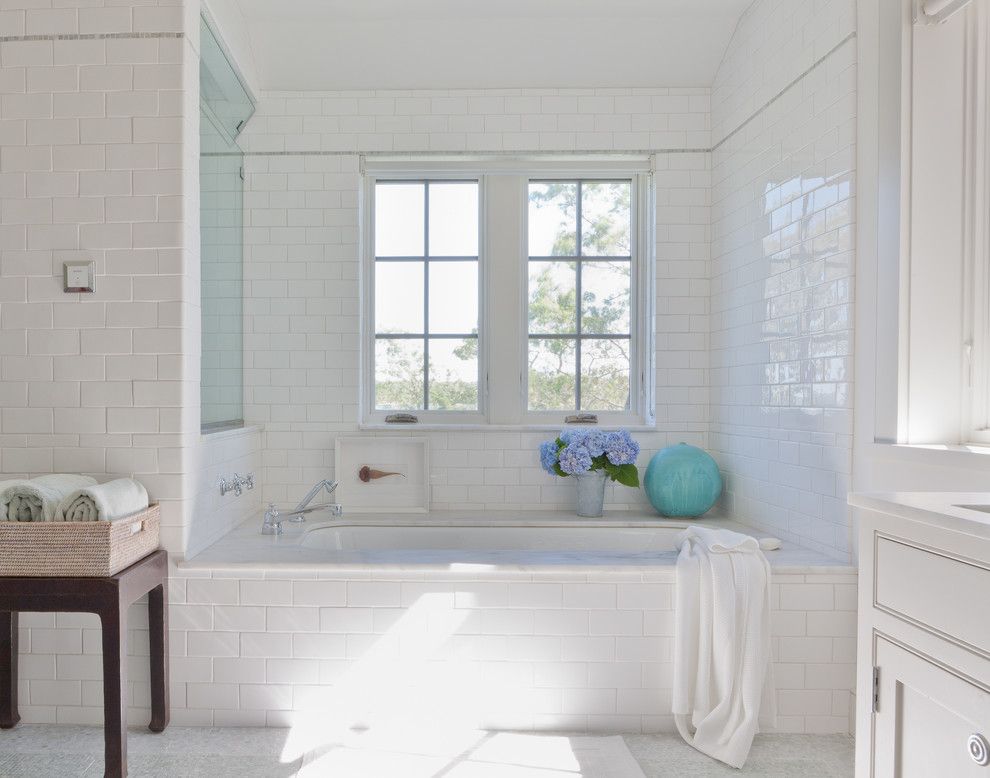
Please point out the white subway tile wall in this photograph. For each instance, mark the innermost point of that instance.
(544, 650)
(95, 150)
(302, 267)
(782, 270)
(223, 454)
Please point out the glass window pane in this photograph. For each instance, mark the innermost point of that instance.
(454, 374)
(399, 297)
(453, 298)
(399, 217)
(605, 218)
(552, 298)
(454, 219)
(604, 375)
(553, 219)
(398, 374)
(552, 366)
(605, 298)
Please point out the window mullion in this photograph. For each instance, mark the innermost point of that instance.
(426, 296)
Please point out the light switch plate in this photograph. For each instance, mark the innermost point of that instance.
(79, 276)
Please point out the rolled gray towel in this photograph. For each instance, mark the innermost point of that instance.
(104, 502)
(39, 498)
(4, 486)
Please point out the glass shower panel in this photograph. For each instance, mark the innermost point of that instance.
(225, 105)
(222, 283)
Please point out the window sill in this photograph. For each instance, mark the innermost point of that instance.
(973, 456)
(232, 432)
(427, 427)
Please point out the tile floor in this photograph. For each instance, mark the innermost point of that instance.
(38, 751)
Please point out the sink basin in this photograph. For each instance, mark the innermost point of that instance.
(981, 508)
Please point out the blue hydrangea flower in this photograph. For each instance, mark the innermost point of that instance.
(595, 441)
(548, 456)
(573, 436)
(575, 459)
(620, 448)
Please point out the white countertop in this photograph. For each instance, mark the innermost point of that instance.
(944, 509)
(246, 548)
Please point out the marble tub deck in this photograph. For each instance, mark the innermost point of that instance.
(245, 548)
(45, 751)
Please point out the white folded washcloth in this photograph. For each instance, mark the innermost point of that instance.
(39, 498)
(104, 502)
(722, 672)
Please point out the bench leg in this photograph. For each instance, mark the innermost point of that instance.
(158, 628)
(8, 670)
(115, 691)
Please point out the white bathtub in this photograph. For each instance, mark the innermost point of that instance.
(440, 540)
(615, 540)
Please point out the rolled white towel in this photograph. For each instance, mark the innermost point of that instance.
(104, 502)
(39, 498)
(4, 486)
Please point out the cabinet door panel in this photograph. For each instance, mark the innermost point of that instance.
(925, 717)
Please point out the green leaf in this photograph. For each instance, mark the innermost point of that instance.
(558, 471)
(627, 475)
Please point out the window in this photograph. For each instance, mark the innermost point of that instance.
(426, 296)
(496, 294)
(579, 295)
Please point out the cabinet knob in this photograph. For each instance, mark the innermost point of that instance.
(979, 749)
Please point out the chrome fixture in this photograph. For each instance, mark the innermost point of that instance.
(979, 749)
(272, 524)
(298, 514)
(236, 484)
(581, 418)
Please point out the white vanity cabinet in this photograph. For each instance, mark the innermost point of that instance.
(923, 681)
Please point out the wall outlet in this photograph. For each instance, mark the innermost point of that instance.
(79, 276)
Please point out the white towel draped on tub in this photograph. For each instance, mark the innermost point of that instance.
(39, 498)
(721, 642)
(104, 502)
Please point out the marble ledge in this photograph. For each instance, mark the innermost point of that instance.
(245, 549)
(950, 510)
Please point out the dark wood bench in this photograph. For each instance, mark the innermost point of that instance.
(109, 598)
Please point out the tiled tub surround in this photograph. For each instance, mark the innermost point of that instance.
(302, 267)
(542, 646)
(784, 109)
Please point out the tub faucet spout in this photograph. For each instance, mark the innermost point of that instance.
(299, 512)
(272, 525)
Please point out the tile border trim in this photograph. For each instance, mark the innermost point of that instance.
(89, 36)
(817, 63)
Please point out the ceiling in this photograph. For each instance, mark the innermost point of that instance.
(450, 44)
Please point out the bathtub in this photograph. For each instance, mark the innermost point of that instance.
(538, 621)
(470, 542)
(440, 540)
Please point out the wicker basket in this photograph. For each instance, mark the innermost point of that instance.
(77, 548)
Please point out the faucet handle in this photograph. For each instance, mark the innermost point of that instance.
(335, 509)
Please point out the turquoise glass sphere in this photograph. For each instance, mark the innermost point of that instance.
(682, 480)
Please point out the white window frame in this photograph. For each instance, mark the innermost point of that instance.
(503, 333)
(976, 221)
